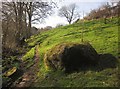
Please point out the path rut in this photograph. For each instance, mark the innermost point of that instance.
(31, 74)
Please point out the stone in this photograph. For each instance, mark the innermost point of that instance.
(71, 56)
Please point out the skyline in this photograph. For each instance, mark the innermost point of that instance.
(54, 19)
(82, 5)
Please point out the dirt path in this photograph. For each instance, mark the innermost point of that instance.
(28, 77)
(31, 74)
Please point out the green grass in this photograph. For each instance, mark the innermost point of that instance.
(103, 37)
(100, 38)
(29, 55)
(105, 78)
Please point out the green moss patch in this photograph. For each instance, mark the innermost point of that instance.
(29, 55)
(71, 56)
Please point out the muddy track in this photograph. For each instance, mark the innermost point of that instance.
(30, 75)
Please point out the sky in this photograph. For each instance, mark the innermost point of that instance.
(82, 5)
(54, 19)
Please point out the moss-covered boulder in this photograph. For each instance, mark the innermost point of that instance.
(71, 56)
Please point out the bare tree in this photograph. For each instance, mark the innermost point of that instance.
(69, 12)
(22, 15)
(107, 12)
(37, 11)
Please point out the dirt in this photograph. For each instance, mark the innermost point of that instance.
(29, 75)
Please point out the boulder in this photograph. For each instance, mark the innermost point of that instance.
(71, 56)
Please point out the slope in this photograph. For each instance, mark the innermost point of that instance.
(103, 37)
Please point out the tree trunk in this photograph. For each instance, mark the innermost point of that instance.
(16, 22)
(25, 21)
(29, 26)
(29, 11)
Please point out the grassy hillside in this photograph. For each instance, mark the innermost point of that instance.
(103, 37)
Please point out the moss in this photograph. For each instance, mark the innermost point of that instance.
(10, 72)
(29, 55)
(70, 56)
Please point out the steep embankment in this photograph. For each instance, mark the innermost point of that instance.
(103, 37)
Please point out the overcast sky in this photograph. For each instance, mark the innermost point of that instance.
(82, 5)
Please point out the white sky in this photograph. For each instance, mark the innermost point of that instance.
(82, 5)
